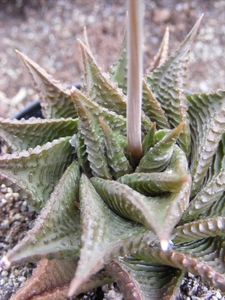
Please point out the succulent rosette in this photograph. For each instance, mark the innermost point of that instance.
(104, 216)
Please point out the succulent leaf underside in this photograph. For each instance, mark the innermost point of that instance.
(103, 217)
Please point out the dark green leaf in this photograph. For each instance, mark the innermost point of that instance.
(171, 180)
(158, 157)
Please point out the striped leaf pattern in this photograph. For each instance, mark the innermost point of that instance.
(99, 87)
(43, 240)
(167, 84)
(34, 171)
(146, 280)
(24, 134)
(207, 115)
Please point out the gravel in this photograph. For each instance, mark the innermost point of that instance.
(52, 43)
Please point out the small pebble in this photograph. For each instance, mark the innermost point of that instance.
(21, 279)
(5, 224)
(9, 197)
(9, 190)
(17, 217)
(3, 202)
(16, 196)
(3, 189)
(4, 273)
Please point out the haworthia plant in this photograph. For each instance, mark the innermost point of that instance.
(102, 217)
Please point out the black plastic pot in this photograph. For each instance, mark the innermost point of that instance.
(33, 109)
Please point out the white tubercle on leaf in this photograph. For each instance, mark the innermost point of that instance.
(73, 141)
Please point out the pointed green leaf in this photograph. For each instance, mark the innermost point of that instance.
(207, 118)
(23, 134)
(159, 214)
(158, 157)
(118, 71)
(167, 84)
(116, 122)
(171, 180)
(117, 160)
(212, 191)
(149, 139)
(209, 255)
(204, 258)
(209, 194)
(35, 170)
(216, 210)
(60, 212)
(93, 137)
(100, 244)
(139, 279)
(200, 229)
(99, 87)
(54, 96)
(152, 107)
(218, 163)
(82, 155)
(162, 54)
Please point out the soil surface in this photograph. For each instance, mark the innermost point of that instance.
(47, 32)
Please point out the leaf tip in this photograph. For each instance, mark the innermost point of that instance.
(164, 245)
(73, 90)
(74, 285)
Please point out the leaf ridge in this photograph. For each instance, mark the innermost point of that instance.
(199, 229)
(23, 134)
